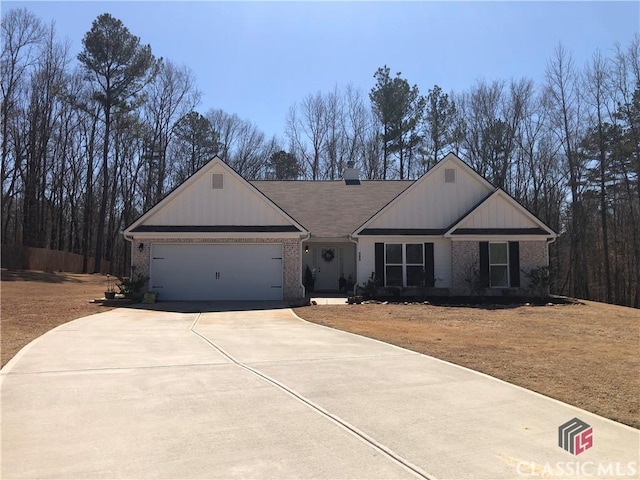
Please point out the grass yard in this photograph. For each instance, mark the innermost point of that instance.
(586, 355)
(33, 303)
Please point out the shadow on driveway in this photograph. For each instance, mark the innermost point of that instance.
(202, 307)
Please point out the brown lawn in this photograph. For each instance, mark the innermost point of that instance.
(35, 302)
(586, 355)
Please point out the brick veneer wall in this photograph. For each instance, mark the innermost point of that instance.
(465, 258)
(532, 255)
(291, 288)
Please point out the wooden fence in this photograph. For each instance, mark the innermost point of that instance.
(17, 257)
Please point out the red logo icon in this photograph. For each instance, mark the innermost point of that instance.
(575, 436)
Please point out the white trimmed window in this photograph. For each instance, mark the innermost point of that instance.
(499, 265)
(404, 264)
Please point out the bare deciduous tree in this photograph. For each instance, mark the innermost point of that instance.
(565, 109)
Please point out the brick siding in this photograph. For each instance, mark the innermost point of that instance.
(465, 259)
(532, 255)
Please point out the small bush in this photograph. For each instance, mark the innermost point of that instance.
(539, 281)
(369, 290)
(309, 282)
(131, 287)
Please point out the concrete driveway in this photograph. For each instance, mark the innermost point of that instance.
(258, 393)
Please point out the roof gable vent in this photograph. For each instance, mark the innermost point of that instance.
(217, 181)
(449, 175)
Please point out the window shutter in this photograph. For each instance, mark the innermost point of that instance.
(484, 264)
(379, 274)
(514, 264)
(429, 265)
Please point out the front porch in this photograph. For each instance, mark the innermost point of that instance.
(331, 266)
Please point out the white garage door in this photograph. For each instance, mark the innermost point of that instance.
(217, 272)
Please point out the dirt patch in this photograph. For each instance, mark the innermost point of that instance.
(586, 355)
(35, 302)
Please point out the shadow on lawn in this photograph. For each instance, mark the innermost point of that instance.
(32, 276)
(483, 302)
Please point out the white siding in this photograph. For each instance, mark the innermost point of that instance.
(441, 256)
(433, 203)
(237, 203)
(497, 212)
(367, 258)
(442, 260)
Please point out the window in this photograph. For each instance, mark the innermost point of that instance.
(393, 267)
(415, 264)
(499, 264)
(404, 264)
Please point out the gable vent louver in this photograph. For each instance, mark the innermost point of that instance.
(217, 181)
(449, 175)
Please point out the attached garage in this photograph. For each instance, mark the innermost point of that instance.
(217, 271)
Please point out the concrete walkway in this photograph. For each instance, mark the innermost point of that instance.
(259, 393)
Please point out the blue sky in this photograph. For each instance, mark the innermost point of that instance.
(256, 59)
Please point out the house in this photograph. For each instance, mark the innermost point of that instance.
(220, 237)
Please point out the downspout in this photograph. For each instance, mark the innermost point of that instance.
(128, 238)
(302, 270)
(355, 283)
(549, 242)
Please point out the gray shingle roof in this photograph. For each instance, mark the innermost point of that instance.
(331, 208)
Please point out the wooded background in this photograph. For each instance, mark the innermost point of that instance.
(90, 143)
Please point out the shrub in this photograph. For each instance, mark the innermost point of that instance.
(369, 290)
(131, 287)
(309, 282)
(473, 279)
(539, 281)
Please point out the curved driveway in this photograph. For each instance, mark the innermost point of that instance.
(258, 393)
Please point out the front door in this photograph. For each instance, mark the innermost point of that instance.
(328, 260)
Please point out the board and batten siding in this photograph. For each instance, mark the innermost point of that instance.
(433, 203)
(441, 256)
(497, 212)
(236, 203)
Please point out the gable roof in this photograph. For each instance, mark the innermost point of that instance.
(197, 207)
(330, 209)
(499, 214)
(425, 201)
(336, 209)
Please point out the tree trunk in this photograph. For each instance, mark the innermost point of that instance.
(603, 209)
(88, 202)
(105, 189)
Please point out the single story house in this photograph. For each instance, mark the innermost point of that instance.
(220, 237)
